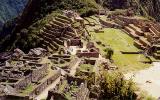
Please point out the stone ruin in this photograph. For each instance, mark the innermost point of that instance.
(19, 75)
(37, 52)
(91, 51)
(23, 70)
(66, 62)
(56, 32)
(70, 88)
(91, 61)
(61, 29)
(72, 14)
(75, 42)
(5, 56)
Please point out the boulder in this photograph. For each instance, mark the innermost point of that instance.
(37, 52)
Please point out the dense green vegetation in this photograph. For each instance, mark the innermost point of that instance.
(110, 86)
(115, 87)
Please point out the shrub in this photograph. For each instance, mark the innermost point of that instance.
(115, 87)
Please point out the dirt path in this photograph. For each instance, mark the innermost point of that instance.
(148, 79)
(73, 69)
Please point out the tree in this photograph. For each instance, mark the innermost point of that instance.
(109, 53)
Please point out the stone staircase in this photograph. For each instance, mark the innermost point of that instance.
(56, 32)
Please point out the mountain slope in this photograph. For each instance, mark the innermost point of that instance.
(35, 15)
(152, 7)
(10, 9)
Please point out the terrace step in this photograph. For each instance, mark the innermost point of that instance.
(55, 25)
(156, 55)
(50, 40)
(48, 34)
(157, 46)
(144, 41)
(63, 38)
(58, 41)
(65, 18)
(46, 38)
(58, 23)
(153, 31)
(67, 36)
(55, 44)
(49, 30)
(48, 44)
(120, 22)
(49, 49)
(131, 32)
(62, 20)
(138, 45)
(137, 30)
(158, 52)
(49, 27)
(71, 34)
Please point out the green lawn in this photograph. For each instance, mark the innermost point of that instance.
(120, 41)
(86, 67)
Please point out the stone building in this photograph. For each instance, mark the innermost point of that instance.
(75, 42)
(91, 51)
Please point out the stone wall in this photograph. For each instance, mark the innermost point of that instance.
(83, 93)
(39, 72)
(14, 97)
(23, 83)
(109, 24)
(88, 54)
(44, 84)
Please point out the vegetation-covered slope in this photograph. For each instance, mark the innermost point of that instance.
(152, 7)
(10, 9)
(36, 15)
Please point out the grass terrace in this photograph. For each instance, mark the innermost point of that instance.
(27, 90)
(91, 20)
(120, 41)
(86, 67)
